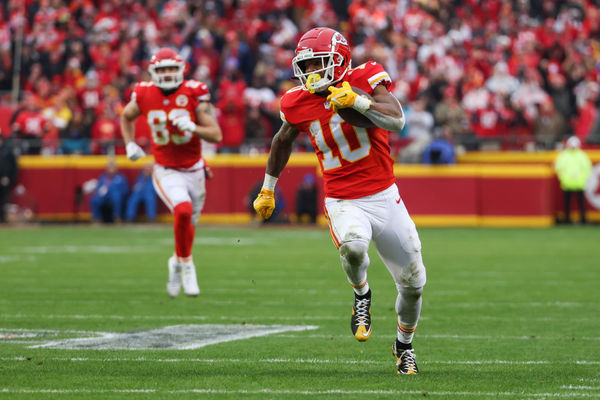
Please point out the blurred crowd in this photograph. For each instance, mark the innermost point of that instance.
(503, 74)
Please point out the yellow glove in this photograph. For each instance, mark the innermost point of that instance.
(311, 80)
(345, 97)
(265, 203)
(341, 97)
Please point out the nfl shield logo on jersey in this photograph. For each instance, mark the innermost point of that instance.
(181, 100)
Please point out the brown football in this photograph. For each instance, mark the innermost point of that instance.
(353, 117)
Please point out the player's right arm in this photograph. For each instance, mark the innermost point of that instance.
(281, 149)
(128, 116)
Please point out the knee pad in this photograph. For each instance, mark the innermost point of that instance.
(354, 251)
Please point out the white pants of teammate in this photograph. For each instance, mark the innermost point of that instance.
(382, 218)
(175, 186)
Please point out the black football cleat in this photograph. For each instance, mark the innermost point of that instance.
(405, 360)
(361, 317)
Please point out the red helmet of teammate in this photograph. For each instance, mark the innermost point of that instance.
(164, 58)
(333, 50)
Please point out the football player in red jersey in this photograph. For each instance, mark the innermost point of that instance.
(179, 114)
(362, 200)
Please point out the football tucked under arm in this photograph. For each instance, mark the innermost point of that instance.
(354, 117)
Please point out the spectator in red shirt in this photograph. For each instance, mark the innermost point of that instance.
(104, 133)
(90, 96)
(426, 44)
(30, 126)
(232, 113)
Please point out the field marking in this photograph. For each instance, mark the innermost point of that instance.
(436, 336)
(226, 318)
(95, 249)
(97, 316)
(33, 336)
(113, 249)
(223, 318)
(15, 258)
(298, 361)
(178, 317)
(174, 337)
(302, 392)
(282, 334)
(52, 331)
(580, 387)
(111, 301)
(518, 304)
(250, 290)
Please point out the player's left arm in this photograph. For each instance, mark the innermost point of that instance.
(207, 127)
(385, 110)
(382, 108)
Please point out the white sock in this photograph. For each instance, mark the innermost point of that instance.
(362, 289)
(405, 333)
(408, 307)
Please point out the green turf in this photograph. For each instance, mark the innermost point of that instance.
(507, 313)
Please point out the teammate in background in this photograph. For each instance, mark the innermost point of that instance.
(179, 114)
(362, 200)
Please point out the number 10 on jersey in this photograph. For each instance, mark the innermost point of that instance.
(341, 142)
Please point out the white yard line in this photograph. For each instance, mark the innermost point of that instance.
(224, 317)
(304, 392)
(175, 317)
(16, 258)
(96, 249)
(580, 387)
(297, 361)
(52, 331)
(96, 316)
(282, 335)
(426, 336)
(515, 304)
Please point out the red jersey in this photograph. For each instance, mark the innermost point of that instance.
(171, 147)
(355, 162)
(31, 123)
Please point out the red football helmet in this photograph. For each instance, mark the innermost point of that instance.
(166, 57)
(333, 50)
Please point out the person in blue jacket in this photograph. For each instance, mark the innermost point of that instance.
(440, 150)
(142, 193)
(109, 197)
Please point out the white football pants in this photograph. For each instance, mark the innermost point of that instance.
(178, 186)
(383, 218)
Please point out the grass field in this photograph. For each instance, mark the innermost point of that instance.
(507, 314)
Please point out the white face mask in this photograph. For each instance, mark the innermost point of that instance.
(329, 61)
(167, 80)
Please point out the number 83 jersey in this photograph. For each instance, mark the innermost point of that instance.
(171, 147)
(355, 161)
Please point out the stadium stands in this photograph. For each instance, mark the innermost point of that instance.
(496, 74)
